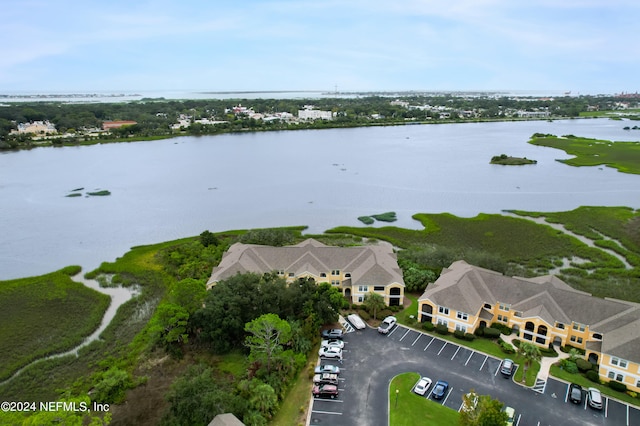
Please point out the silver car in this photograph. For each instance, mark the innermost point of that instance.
(387, 324)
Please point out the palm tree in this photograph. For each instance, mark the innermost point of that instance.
(530, 353)
(374, 302)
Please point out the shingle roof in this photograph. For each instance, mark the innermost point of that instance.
(368, 265)
(467, 288)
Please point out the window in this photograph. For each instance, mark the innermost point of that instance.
(335, 282)
(578, 326)
(517, 314)
(442, 322)
(443, 310)
(378, 288)
(619, 362)
(620, 377)
(638, 384)
(347, 274)
(487, 306)
(560, 325)
(291, 274)
(462, 316)
(360, 299)
(505, 307)
(580, 340)
(323, 274)
(280, 272)
(503, 318)
(335, 272)
(573, 338)
(363, 288)
(461, 328)
(613, 376)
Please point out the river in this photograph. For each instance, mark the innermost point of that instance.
(174, 188)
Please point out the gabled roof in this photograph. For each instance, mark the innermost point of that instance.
(368, 265)
(467, 288)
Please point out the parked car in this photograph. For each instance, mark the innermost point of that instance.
(594, 398)
(334, 333)
(325, 391)
(511, 415)
(325, 378)
(332, 343)
(387, 324)
(330, 353)
(575, 393)
(356, 321)
(440, 389)
(422, 386)
(327, 368)
(506, 368)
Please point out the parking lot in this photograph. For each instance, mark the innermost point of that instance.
(371, 360)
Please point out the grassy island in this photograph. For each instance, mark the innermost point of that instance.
(506, 160)
(624, 156)
(382, 217)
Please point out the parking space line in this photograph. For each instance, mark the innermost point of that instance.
(606, 407)
(327, 400)
(444, 401)
(404, 335)
(326, 412)
(483, 362)
(469, 359)
(627, 414)
(393, 331)
(455, 353)
(445, 344)
(430, 342)
(518, 421)
(414, 342)
(566, 395)
(497, 369)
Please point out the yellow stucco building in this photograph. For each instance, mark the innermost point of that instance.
(356, 271)
(542, 310)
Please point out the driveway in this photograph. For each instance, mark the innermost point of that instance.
(371, 360)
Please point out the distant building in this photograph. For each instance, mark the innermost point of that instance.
(309, 113)
(107, 125)
(36, 128)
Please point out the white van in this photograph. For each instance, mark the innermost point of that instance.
(356, 321)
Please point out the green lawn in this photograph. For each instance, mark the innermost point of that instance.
(407, 408)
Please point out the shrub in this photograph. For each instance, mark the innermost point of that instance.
(394, 308)
(479, 331)
(550, 352)
(442, 329)
(507, 348)
(459, 334)
(385, 313)
(593, 376)
(469, 337)
(567, 348)
(428, 326)
(617, 386)
(491, 333)
(583, 365)
(516, 343)
(503, 328)
(364, 315)
(570, 367)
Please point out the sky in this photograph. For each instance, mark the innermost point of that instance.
(583, 46)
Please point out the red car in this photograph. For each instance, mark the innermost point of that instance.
(325, 391)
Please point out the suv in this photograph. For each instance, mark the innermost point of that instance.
(594, 398)
(325, 391)
(387, 324)
(325, 378)
(506, 368)
(334, 333)
(330, 353)
(575, 393)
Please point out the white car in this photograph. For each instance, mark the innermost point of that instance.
(422, 386)
(356, 322)
(387, 324)
(327, 368)
(330, 353)
(332, 343)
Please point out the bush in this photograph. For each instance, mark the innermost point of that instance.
(491, 333)
(617, 386)
(516, 343)
(507, 348)
(364, 315)
(583, 365)
(469, 337)
(459, 334)
(570, 367)
(384, 313)
(394, 308)
(550, 352)
(503, 328)
(567, 348)
(593, 376)
(479, 331)
(428, 326)
(442, 329)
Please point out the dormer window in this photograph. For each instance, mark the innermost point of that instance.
(347, 274)
(323, 275)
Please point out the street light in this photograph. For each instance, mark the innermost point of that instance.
(397, 392)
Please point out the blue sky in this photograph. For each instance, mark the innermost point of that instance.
(586, 46)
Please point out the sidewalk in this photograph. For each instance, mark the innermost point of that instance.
(545, 362)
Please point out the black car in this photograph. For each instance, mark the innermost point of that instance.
(506, 369)
(334, 333)
(575, 393)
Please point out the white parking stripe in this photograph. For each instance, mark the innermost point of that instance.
(445, 344)
(425, 348)
(326, 412)
(566, 396)
(469, 359)
(485, 360)
(456, 353)
(606, 407)
(414, 342)
(394, 330)
(404, 335)
(444, 401)
(497, 369)
(518, 421)
(327, 400)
